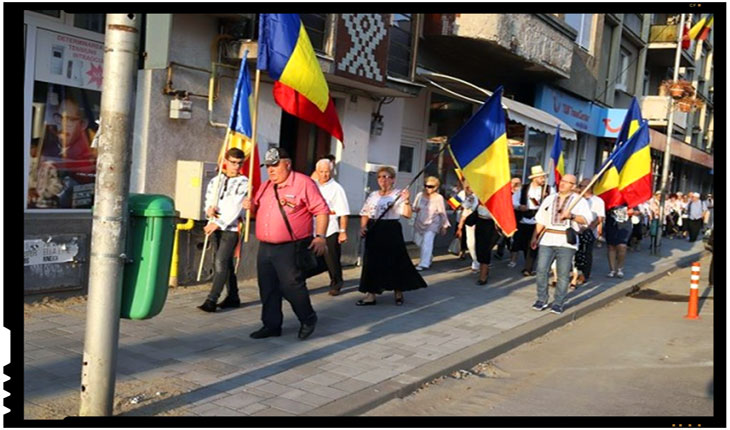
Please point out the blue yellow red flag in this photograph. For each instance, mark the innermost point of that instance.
(556, 156)
(286, 53)
(480, 149)
(633, 162)
(454, 202)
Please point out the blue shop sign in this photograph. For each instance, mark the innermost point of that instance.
(582, 115)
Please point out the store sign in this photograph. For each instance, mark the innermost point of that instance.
(69, 60)
(47, 252)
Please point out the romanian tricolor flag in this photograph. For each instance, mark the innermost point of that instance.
(556, 156)
(633, 162)
(239, 127)
(455, 201)
(300, 88)
(697, 28)
(480, 149)
(607, 187)
(706, 29)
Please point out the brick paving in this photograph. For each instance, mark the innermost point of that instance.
(353, 348)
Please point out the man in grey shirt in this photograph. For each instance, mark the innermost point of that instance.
(696, 211)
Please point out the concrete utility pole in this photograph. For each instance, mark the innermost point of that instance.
(670, 126)
(109, 228)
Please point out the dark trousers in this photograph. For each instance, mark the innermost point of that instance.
(224, 244)
(279, 278)
(693, 227)
(330, 262)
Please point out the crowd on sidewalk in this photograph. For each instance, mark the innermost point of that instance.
(301, 225)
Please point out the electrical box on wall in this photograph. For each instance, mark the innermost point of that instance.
(181, 109)
(191, 182)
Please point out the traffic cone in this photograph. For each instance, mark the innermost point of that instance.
(694, 292)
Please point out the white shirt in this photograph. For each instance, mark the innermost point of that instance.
(376, 204)
(231, 194)
(548, 215)
(598, 209)
(532, 193)
(468, 203)
(336, 199)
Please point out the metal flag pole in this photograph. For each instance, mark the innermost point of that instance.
(253, 148)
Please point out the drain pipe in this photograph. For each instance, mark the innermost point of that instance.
(174, 264)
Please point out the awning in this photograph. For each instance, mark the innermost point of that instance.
(519, 112)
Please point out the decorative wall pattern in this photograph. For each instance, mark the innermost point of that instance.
(362, 47)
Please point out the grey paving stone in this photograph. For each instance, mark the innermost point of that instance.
(326, 378)
(351, 385)
(220, 411)
(273, 387)
(287, 405)
(253, 408)
(271, 412)
(238, 400)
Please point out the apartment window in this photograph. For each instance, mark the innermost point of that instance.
(90, 21)
(583, 24)
(316, 26)
(399, 50)
(622, 79)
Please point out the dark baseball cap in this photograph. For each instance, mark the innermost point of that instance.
(274, 155)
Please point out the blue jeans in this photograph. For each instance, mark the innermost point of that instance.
(545, 257)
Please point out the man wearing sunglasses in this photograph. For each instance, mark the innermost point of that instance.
(223, 217)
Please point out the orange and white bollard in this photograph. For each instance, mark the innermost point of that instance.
(694, 284)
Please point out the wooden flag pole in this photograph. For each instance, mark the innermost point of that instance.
(253, 148)
(215, 202)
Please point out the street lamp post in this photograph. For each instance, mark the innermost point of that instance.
(670, 126)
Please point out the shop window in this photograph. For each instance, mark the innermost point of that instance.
(90, 21)
(400, 45)
(62, 161)
(405, 159)
(536, 149)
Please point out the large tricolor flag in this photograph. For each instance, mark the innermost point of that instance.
(556, 156)
(706, 29)
(697, 29)
(300, 88)
(633, 162)
(480, 149)
(239, 127)
(607, 187)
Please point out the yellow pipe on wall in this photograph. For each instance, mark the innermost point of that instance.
(174, 263)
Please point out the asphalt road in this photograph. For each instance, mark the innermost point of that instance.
(637, 356)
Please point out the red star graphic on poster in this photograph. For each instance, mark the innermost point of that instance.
(96, 74)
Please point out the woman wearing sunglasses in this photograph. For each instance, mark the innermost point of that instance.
(386, 264)
(430, 209)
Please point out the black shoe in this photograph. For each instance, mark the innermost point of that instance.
(364, 303)
(230, 303)
(208, 306)
(264, 332)
(480, 282)
(306, 330)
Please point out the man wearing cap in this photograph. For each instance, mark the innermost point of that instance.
(526, 201)
(336, 199)
(284, 206)
(223, 214)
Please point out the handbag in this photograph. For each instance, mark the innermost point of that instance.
(304, 258)
(571, 236)
(455, 246)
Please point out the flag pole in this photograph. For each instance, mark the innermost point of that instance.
(215, 202)
(253, 148)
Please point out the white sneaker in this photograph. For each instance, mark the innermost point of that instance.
(611, 274)
(620, 273)
(475, 266)
(511, 264)
(420, 268)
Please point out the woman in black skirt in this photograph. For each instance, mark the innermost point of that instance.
(486, 236)
(386, 264)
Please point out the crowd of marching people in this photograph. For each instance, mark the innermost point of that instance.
(303, 223)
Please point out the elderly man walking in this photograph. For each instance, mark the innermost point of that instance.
(285, 206)
(336, 199)
(553, 235)
(696, 213)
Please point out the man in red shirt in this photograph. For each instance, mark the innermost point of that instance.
(298, 196)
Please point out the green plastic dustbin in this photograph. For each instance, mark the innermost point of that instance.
(149, 247)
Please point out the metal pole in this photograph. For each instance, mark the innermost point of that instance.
(253, 146)
(109, 228)
(670, 126)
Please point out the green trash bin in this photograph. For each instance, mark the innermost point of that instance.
(149, 248)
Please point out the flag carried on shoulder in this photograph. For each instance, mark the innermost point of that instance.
(556, 157)
(300, 88)
(239, 127)
(633, 162)
(480, 149)
(607, 186)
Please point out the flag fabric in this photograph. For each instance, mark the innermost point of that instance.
(706, 29)
(633, 162)
(607, 187)
(697, 28)
(480, 149)
(300, 88)
(455, 201)
(556, 156)
(686, 41)
(239, 127)
(459, 174)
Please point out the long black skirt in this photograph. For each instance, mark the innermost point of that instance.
(386, 265)
(485, 237)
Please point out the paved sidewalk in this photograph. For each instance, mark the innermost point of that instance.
(187, 362)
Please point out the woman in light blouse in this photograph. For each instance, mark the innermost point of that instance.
(386, 264)
(431, 219)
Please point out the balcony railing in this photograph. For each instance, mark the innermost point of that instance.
(655, 110)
